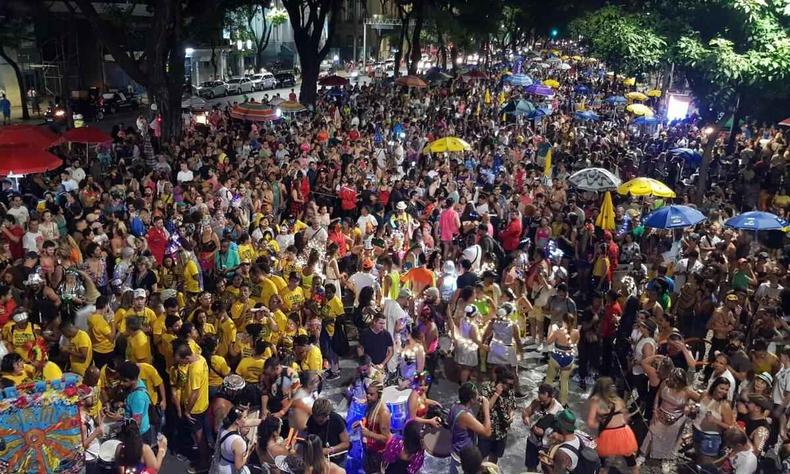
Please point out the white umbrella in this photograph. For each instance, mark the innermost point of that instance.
(545, 65)
(595, 179)
(564, 66)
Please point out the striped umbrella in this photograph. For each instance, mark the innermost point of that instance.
(291, 106)
(253, 111)
(539, 89)
(519, 80)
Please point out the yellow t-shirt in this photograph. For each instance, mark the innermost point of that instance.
(99, 331)
(239, 309)
(151, 378)
(195, 347)
(138, 348)
(227, 335)
(330, 312)
(80, 341)
(146, 316)
(246, 253)
(279, 282)
(251, 368)
(191, 272)
(218, 370)
(166, 348)
(313, 360)
(20, 338)
(158, 328)
(292, 298)
(267, 290)
(197, 379)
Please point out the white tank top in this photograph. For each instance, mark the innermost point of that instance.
(637, 369)
(225, 464)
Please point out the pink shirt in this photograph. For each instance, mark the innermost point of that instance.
(448, 224)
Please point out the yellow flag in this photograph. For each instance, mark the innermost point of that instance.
(477, 112)
(487, 98)
(547, 164)
(501, 98)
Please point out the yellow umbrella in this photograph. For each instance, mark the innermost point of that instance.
(605, 219)
(555, 52)
(646, 187)
(638, 96)
(565, 57)
(291, 106)
(577, 58)
(553, 83)
(629, 81)
(654, 93)
(640, 109)
(447, 144)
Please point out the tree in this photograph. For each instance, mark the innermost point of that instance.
(254, 20)
(160, 67)
(13, 30)
(308, 18)
(737, 47)
(625, 42)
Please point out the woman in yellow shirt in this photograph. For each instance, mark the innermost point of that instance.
(138, 346)
(202, 326)
(101, 330)
(218, 368)
(14, 371)
(293, 295)
(190, 274)
(124, 306)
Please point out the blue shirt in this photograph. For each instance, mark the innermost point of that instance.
(137, 403)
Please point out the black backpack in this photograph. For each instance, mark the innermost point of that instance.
(588, 460)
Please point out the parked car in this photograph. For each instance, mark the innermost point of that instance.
(262, 81)
(211, 89)
(239, 85)
(112, 102)
(285, 79)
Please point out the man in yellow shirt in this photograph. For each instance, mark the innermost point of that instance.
(165, 346)
(153, 384)
(308, 355)
(240, 308)
(193, 401)
(19, 333)
(332, 309)
(251, 368)
(101, 329)
(226, 332)
(138, 346)
(293, 294)
(139, 310)
(79, 348)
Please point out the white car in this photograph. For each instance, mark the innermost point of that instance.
(239, 85)
(262, 81)
(211, 89)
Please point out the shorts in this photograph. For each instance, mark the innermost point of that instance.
(491, 447)
(200, 422)
(563, 358)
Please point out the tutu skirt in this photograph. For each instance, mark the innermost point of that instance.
(613, 442)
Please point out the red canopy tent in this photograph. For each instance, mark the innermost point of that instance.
(785, 122)
(333, 81)
(21, 160)
(28, 135)
(87, 135)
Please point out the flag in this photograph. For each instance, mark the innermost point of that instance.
(501, 97)
(487, 98)
(547, 164)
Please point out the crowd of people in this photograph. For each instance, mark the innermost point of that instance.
(207, 290)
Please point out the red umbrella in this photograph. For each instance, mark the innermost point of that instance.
(475, 74)
(333, 81)
(87, 135)
(785, 122)
(16, 160)
(28, 135)
(411, 81)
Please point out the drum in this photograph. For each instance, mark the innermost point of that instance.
(107, 455)
(446, 346)
(437, 441)
(398, 403)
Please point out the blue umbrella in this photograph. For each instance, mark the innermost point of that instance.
(693, 157)
(524, 107)
(646, 121)
(756, 220)
(674, 217)
(582, 89)
(616, 100)
(587, 116)
(519, 80)
(539, 89)
(537, 114)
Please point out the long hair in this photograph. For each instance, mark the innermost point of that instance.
(605, 389)
(131, 443)
(313, 454)
(373, 411)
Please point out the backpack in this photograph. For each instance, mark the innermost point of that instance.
(588, 460)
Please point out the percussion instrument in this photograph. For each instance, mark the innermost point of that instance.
(446, 346)
(398, 403)
(437, 441)
(107, 455)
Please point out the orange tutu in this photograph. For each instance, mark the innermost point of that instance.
(616, 442)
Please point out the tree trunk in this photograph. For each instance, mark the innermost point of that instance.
(309, 62)
(416, 49)
(401, 41)
(454, 57)
(736, 118)
(442, 50)
(20, 79)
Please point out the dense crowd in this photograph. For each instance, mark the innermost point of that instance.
(206, 290)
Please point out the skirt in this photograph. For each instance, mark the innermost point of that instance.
(466, 354)
(615, 442)
(500, 354)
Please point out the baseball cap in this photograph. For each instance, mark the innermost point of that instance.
(564, 422)
(140, 293)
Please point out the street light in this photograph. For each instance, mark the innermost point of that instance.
(554, 32)
(189, 51)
